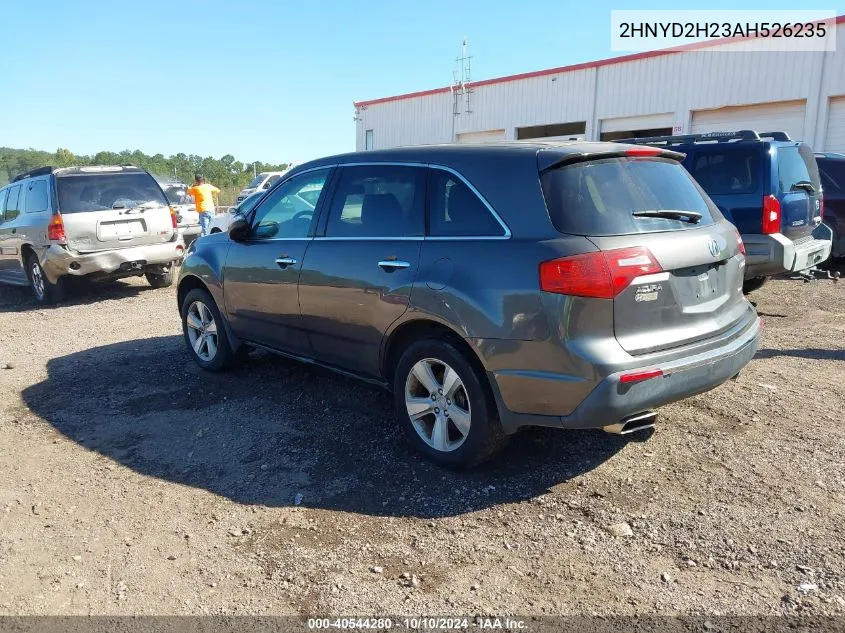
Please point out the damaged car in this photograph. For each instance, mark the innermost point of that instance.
(95, 222)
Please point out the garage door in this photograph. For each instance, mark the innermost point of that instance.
(489, 136)
(786, 116)
(645, 125)
(835, 138)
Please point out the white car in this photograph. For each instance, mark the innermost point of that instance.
(262, 182)
(187, 218)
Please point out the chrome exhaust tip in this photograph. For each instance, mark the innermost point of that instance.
(633, 424)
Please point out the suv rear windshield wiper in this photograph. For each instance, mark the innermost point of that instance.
(693, 217)
(806, 185)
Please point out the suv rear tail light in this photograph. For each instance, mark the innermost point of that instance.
(602, 275)
(56, 230)
(173, 219)
(740, 244)
(771, 215)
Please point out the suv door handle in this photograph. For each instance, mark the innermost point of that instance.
(284, 262)
(389, 265)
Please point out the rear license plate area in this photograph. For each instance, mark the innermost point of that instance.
(121, 229)
(699, 284)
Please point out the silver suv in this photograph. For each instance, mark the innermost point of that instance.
(98, 222)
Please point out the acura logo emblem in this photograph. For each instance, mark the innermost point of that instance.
(714, 248)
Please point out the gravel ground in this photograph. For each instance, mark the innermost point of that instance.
(133, 483)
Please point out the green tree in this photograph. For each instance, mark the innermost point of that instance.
(228, 173)
(64, 158)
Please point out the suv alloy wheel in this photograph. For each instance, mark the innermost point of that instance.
(443, 405)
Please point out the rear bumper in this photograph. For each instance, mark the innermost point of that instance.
(190, 230)
(58, 261)
(775, 254)
(611, 401)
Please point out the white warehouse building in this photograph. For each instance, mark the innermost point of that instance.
(688, 90)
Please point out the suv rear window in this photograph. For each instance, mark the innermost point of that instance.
(736, 170)
(795, 165)
(99, 192)
(599, 197)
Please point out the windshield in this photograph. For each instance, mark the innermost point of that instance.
(256, 181)
(599, 197)
(88, 192)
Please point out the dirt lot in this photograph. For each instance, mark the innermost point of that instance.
(131, 482)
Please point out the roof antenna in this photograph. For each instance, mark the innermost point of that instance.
(461, 80)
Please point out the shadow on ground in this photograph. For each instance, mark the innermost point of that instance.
(273, 429)
(808, 353)
(78, 292)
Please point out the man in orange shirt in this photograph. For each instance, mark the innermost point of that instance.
(203, 194)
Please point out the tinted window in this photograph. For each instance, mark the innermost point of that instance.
(378, 201)
(599, 197)
(285, 213)
(735, 170)
(3, 193)
(455, 210)
(98, 192)
(832, 175)
(797, 165)
(249, 202)
(255, 181)
(272, 180)
(12, 210)
(36, 198)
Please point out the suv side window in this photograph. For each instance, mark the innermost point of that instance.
(795, 165)
(733, 170)
(36, 198)
(272, 180)
(288, 211)
(833, 175)
(3, 193)
(378, 201)
(11, 208)
(454, 210)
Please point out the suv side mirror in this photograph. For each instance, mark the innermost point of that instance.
(239, 228)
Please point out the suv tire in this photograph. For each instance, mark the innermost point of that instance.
(160, 280)
(750, 285)
(44, 291)
(204, 332)
(431, 376)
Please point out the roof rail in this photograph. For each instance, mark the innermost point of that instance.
(739, 135)
(32, 173)
(776, 136)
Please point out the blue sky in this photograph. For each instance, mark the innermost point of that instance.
(262, 79)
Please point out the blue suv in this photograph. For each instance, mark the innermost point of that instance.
(768, 186)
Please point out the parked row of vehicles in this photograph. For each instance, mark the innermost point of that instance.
(490, 288)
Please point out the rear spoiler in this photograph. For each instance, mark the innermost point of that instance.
(549, 160)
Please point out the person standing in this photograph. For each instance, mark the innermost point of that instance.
(203, 194)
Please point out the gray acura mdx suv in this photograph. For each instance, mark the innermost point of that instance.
(571, 285)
